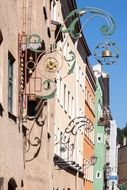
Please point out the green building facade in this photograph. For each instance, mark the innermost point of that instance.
(99, 132)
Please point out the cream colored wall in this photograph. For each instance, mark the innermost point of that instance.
(63, 117)
(65, 180)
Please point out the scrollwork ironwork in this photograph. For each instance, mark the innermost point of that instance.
(68, 138)
(33, 144)
(50, 65)
(75, 15)
(78, 122)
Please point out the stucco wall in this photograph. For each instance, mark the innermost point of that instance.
(36, 174)
(11, 137)
(122, 165)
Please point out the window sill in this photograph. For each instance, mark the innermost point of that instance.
(12, 116)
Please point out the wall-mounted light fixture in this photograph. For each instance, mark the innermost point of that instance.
(93, 160)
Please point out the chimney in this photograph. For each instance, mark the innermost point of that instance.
(124, 141)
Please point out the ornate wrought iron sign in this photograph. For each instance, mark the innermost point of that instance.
(38, 68)
(67, 139)
(38, 73)
(106, 31)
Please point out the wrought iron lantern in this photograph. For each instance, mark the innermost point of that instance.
(106, 53)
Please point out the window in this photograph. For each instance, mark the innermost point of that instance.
(68, 100)
(1, 37)
(10, 82)
(83, 82)
(65, 89)
(80, 76)
(72, 107)
(1, 68)
(90, 101)
(45, 13)
(61, 93)
(58, 87)
(1, 183)
(86, 93)
(12, 185)
(31, 108)
(32, 105)
(100, 137)
(53, 10)
(98, 174)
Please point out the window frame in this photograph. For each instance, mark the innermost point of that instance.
(11, 61)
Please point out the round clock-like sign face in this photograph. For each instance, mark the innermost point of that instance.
(51, 64)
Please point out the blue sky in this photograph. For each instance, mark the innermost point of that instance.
(118, 71)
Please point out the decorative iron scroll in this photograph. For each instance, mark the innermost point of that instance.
(32, 52)
(68, 137)
(33, 142)
(75, 15)
(78, 122)
(38, 69)
(50, 65)
(106, 30)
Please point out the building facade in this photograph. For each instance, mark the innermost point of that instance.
(90, 88)
(26, 116)
(122, 167)
(11, 136)
(105, 170)
(113, 156)
(69, 129)
(47, 98)
(99, 149)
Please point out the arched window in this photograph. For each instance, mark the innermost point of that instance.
(12, 184)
